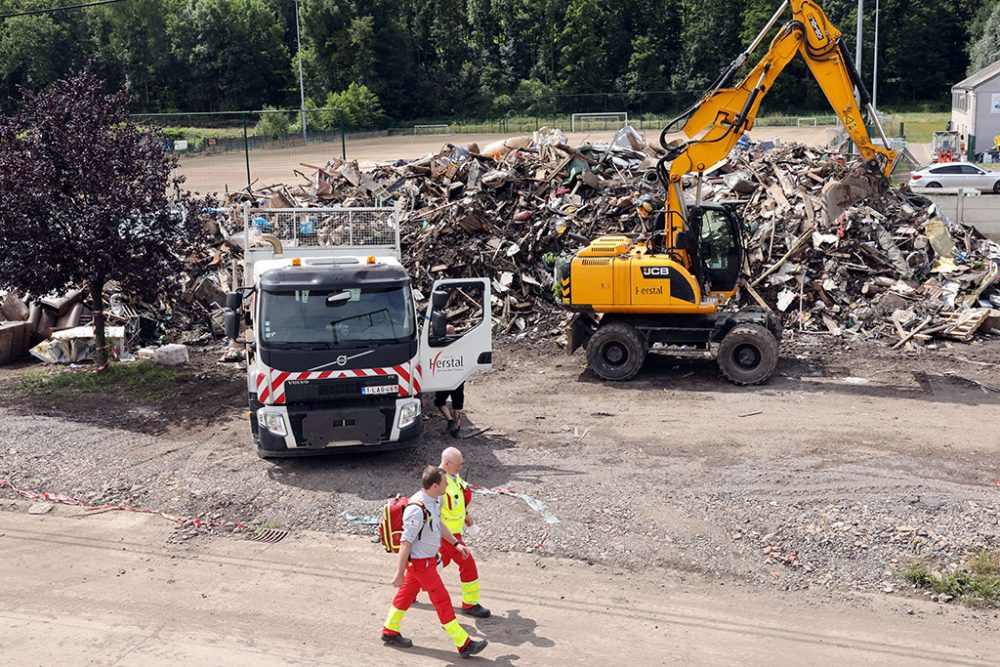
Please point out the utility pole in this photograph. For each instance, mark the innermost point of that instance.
(857, 59)
(857, 50)
(302, 89)
(875, 63)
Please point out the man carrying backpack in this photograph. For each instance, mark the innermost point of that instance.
(455, 514)
(417, 565)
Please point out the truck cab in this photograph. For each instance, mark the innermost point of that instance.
(337, 355)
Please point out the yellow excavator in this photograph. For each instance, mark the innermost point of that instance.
(678, 286)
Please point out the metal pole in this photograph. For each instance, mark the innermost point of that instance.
(302, 89)
(857, 56)
(343, 141)
(857, 48)
(246, 148)
(875, 63)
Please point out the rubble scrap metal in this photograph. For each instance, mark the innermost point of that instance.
(889, 267)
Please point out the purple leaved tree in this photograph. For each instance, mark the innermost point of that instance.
(86, 197)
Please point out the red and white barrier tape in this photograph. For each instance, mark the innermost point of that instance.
(69, 500)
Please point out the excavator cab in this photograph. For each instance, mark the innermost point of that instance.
(714, 243)
(720, 248)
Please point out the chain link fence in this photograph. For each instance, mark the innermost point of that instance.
(227, 151)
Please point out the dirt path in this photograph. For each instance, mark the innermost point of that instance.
(111, 589)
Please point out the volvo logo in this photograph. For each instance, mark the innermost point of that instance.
(342, 360)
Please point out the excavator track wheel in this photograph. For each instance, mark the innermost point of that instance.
(616, 351)
(748, 354)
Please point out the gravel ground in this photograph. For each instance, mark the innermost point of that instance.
(851, 461)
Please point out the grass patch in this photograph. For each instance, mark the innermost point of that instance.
(141, 381)
(977, 583)
(918, 126)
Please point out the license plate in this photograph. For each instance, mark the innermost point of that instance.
(380, 390)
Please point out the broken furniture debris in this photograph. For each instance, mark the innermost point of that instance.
(875, 269)
(891, 267)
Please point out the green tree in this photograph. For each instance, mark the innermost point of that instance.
(233, 53)
(986, 49)
(32, 52)
(138, 42)
(710, 35)
(361, 107)
(582, 50)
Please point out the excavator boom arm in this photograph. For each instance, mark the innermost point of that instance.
(724, 114)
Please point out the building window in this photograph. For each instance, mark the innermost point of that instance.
(959, 101)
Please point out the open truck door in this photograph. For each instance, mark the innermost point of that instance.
(449, 358)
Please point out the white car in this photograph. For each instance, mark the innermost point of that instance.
(956, 175)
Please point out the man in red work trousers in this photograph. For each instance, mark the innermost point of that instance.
(455, 515)
(417, 566)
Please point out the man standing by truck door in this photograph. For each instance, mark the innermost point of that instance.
(417, 566)
(455, 515)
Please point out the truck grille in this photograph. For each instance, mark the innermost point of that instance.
(337, 390)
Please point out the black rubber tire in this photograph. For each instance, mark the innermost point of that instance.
(932, 184)
(996, 188)
(748, 354)
(616, 351)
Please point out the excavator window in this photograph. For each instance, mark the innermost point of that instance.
(719, 249)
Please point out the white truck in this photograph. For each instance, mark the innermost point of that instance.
(336, 361)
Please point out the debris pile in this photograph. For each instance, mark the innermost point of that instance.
(25, 322)
(890, 266)
(60, 329)
(505, 211)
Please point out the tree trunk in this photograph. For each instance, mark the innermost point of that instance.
(97, 296)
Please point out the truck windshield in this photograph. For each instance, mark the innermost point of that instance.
(335, 317)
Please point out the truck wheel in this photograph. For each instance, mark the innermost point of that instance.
(616, 351)
(748, 354)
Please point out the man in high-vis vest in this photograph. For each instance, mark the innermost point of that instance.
(417, 566)
(455, 515)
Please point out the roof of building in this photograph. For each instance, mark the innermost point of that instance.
(979, 78)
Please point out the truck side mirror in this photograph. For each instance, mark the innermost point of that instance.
(439, 325)
(231, 323)
(439, 300)
(234, 300)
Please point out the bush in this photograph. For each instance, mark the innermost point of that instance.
(362, 108)
(534, 97)
(272, 124)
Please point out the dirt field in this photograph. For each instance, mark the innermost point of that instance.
(216, 173)
(850, 462)
(113, 589)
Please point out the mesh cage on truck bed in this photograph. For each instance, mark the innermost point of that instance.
(348, 230)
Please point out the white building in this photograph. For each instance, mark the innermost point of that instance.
(975, 109)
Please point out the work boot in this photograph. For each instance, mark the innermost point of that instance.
(452, 428)
(476, 610)
(397, 640)
(473, 647)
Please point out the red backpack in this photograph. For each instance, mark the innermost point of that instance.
(390, 525)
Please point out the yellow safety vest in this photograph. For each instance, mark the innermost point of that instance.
(453, 504)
